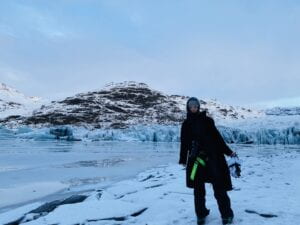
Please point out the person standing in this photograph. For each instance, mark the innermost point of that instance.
(202, 150)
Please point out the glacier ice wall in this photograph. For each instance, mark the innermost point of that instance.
(289, 135)
(159, 133)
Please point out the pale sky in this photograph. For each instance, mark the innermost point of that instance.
(242, 52)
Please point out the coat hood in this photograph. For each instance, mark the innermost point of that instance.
(192, 99)
(198, 113)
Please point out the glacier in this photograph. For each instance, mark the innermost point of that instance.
(264, 131)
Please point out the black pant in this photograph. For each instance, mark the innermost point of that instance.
(220, 195)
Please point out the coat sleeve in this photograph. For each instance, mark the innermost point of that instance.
(219, 139)
(183, 144)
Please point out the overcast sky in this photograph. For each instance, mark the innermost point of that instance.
(243, 52)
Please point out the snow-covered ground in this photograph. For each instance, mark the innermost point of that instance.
(267, 193)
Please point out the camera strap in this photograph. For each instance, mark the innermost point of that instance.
(197, 162)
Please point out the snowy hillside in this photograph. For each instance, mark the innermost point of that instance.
(120, 105)
(13, 102)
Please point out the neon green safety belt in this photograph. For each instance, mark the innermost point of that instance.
(195, 167)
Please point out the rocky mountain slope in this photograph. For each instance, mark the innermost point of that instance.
(119, 105)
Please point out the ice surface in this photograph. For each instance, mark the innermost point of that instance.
(30, 170)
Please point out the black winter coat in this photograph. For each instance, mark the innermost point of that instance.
(198, 126)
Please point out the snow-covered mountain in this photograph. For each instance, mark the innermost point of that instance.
(120, 105)
(13, 102)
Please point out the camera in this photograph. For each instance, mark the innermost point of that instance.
(196, 150)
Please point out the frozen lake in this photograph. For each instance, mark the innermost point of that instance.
(47, 170)
(34, 169)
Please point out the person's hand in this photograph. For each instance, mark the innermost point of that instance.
(183, 164)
